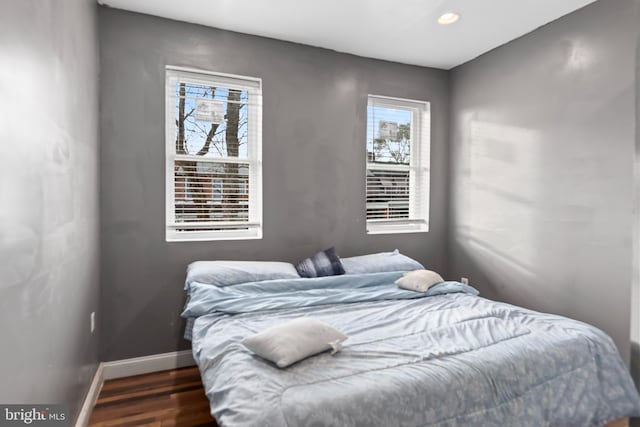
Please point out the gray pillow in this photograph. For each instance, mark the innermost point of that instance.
(226, 273)
(380, 263)
(292, 341)
(324, 263)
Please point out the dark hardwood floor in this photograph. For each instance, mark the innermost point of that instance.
(167, 398)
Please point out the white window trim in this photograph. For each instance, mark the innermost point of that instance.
(254, 225)
(419, 168)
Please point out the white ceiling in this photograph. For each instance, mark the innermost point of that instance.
(403, 30)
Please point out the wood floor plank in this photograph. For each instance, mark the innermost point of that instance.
(152, 402)
(141, 382)
(152, 391)
(161, 399)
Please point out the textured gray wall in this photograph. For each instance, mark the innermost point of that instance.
(542, 134)
(49, 200)
(635, 289)
(313, 154)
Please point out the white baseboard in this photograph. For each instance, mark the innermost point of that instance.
(91, 398)
(146, 364)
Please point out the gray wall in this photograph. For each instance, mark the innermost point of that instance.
(542, 149)
(313, 155)
(635, 289)
(49, 200)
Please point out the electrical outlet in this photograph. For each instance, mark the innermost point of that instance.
(464, 280)
(93, 321)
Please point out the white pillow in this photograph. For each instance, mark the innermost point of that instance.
(419, 280)
(289, 342)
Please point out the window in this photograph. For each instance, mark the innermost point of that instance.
(213, 149)
(397, 165)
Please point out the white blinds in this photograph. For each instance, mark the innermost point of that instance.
(397, 165)
(213, 141)
(387, 193)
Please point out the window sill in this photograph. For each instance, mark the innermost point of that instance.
(392, 227)
(208, 236)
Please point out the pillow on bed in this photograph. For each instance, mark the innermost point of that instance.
(225, 273)
(292, 341)
(419, 280)
(380, 263)
(325, 263)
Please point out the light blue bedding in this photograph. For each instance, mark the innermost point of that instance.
(449, 359)
(304, 292)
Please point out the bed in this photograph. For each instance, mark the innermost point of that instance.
(450, 358)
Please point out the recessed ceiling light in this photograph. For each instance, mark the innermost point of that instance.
(448, 18)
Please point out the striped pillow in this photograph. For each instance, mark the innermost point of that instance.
(325, 263)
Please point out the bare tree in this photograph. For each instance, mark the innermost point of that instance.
(230, 197)
(395, 149)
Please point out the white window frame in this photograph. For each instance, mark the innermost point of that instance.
(254, 149)
(419, 167)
